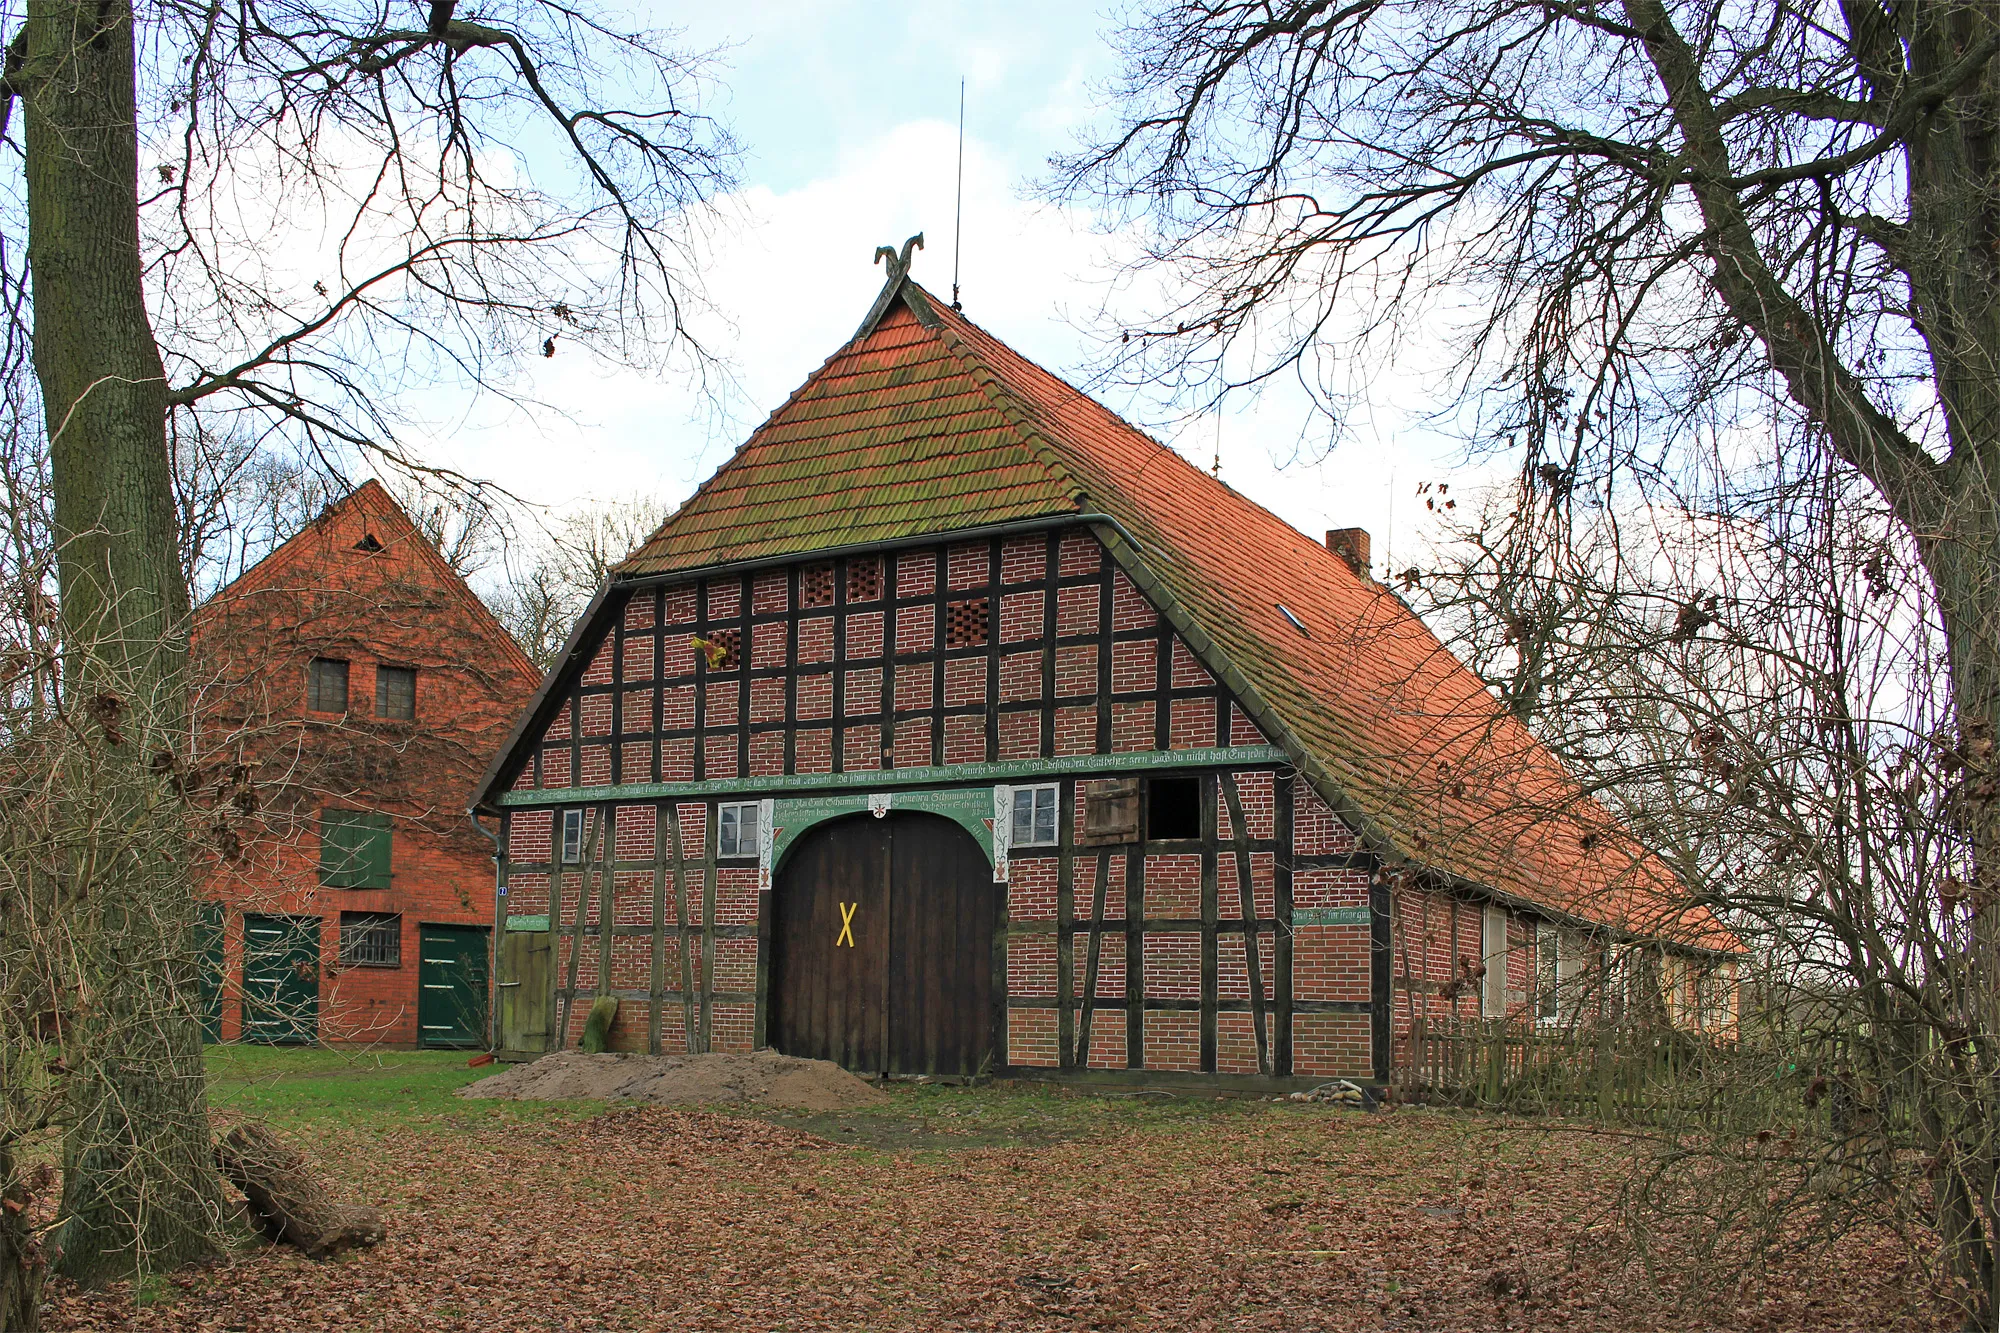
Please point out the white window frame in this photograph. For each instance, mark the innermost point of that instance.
(1548, 973)
(1034, 792)
(1714, 988)
(1624, 965)
(1493, 953)
(571, 835)
(723, 828)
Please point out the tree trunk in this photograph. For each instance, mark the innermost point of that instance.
(22, 1265)
(139, 1185)
(292, 1199)
(1963, 561)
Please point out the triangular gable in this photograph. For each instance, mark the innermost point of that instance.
(368, 513)
(892, 437)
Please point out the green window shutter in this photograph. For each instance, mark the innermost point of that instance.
(353, 849)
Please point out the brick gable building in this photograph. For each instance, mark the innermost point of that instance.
(361, 687)
(955, 724)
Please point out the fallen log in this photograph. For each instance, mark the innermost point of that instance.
(292, 1200)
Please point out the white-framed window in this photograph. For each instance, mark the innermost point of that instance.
(1493, 951)
(1035, 815)
(1715, 994)
(1548, 973)
(572, 837)
(1617, 968)
(736, 829)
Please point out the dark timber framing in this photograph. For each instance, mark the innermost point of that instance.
(791, 718)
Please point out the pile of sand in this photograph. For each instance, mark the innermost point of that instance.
(764, 1077)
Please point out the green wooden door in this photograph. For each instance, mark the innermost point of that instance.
(522, 998)
(451, 986)
(281, 980)
(209, 965)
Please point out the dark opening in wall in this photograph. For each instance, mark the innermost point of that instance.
(1173, 808)
(816, 585)
(965, 624)
(864, 579)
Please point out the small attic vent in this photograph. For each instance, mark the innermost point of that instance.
(368, 544)
(1297, 624)
(816, 585)
(965, 624)
(864, 580)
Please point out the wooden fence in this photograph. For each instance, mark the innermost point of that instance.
(1599, 1070)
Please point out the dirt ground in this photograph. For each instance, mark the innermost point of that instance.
(960, 1209)
(764, 1078)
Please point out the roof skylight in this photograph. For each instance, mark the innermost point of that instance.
(1297, 624)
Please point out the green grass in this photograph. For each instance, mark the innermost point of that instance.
(308, 1086)
(370, 1091)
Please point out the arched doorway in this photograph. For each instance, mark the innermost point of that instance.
(882, 939)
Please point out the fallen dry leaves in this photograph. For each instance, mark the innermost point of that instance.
(1308, 1219)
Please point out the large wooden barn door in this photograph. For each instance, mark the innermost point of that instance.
(882, 947)
(941, 949)
(830, 947)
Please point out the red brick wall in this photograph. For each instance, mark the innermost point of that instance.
(864, 672)
(321, 596)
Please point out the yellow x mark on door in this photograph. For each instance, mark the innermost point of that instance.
(846, 935)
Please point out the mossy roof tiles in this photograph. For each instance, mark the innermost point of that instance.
(926, 423)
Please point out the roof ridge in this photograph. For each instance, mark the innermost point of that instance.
(1163, 448)
(285, 551)
(454, 581)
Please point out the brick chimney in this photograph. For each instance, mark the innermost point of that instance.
(1351, 545)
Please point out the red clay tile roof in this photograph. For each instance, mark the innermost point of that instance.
(926, 423)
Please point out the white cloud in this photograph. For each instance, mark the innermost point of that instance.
(796, 278)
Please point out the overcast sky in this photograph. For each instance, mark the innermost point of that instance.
(848, 115)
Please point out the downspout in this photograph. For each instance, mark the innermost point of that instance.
(499, 924)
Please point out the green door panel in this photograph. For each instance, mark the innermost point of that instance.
(281, 979)
(451, 986)
(522, 998)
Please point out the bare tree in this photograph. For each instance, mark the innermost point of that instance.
(550, 579)
(265, 222)
(1733, 259)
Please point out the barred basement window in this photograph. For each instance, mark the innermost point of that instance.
(816, 585)
(965, 624)
(371, 939)
(396, 692)
(736, 830)
(326, 685)
(572, 845)
(864, 580)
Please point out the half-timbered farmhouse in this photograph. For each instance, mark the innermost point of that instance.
(956, 725)
(350, 687)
